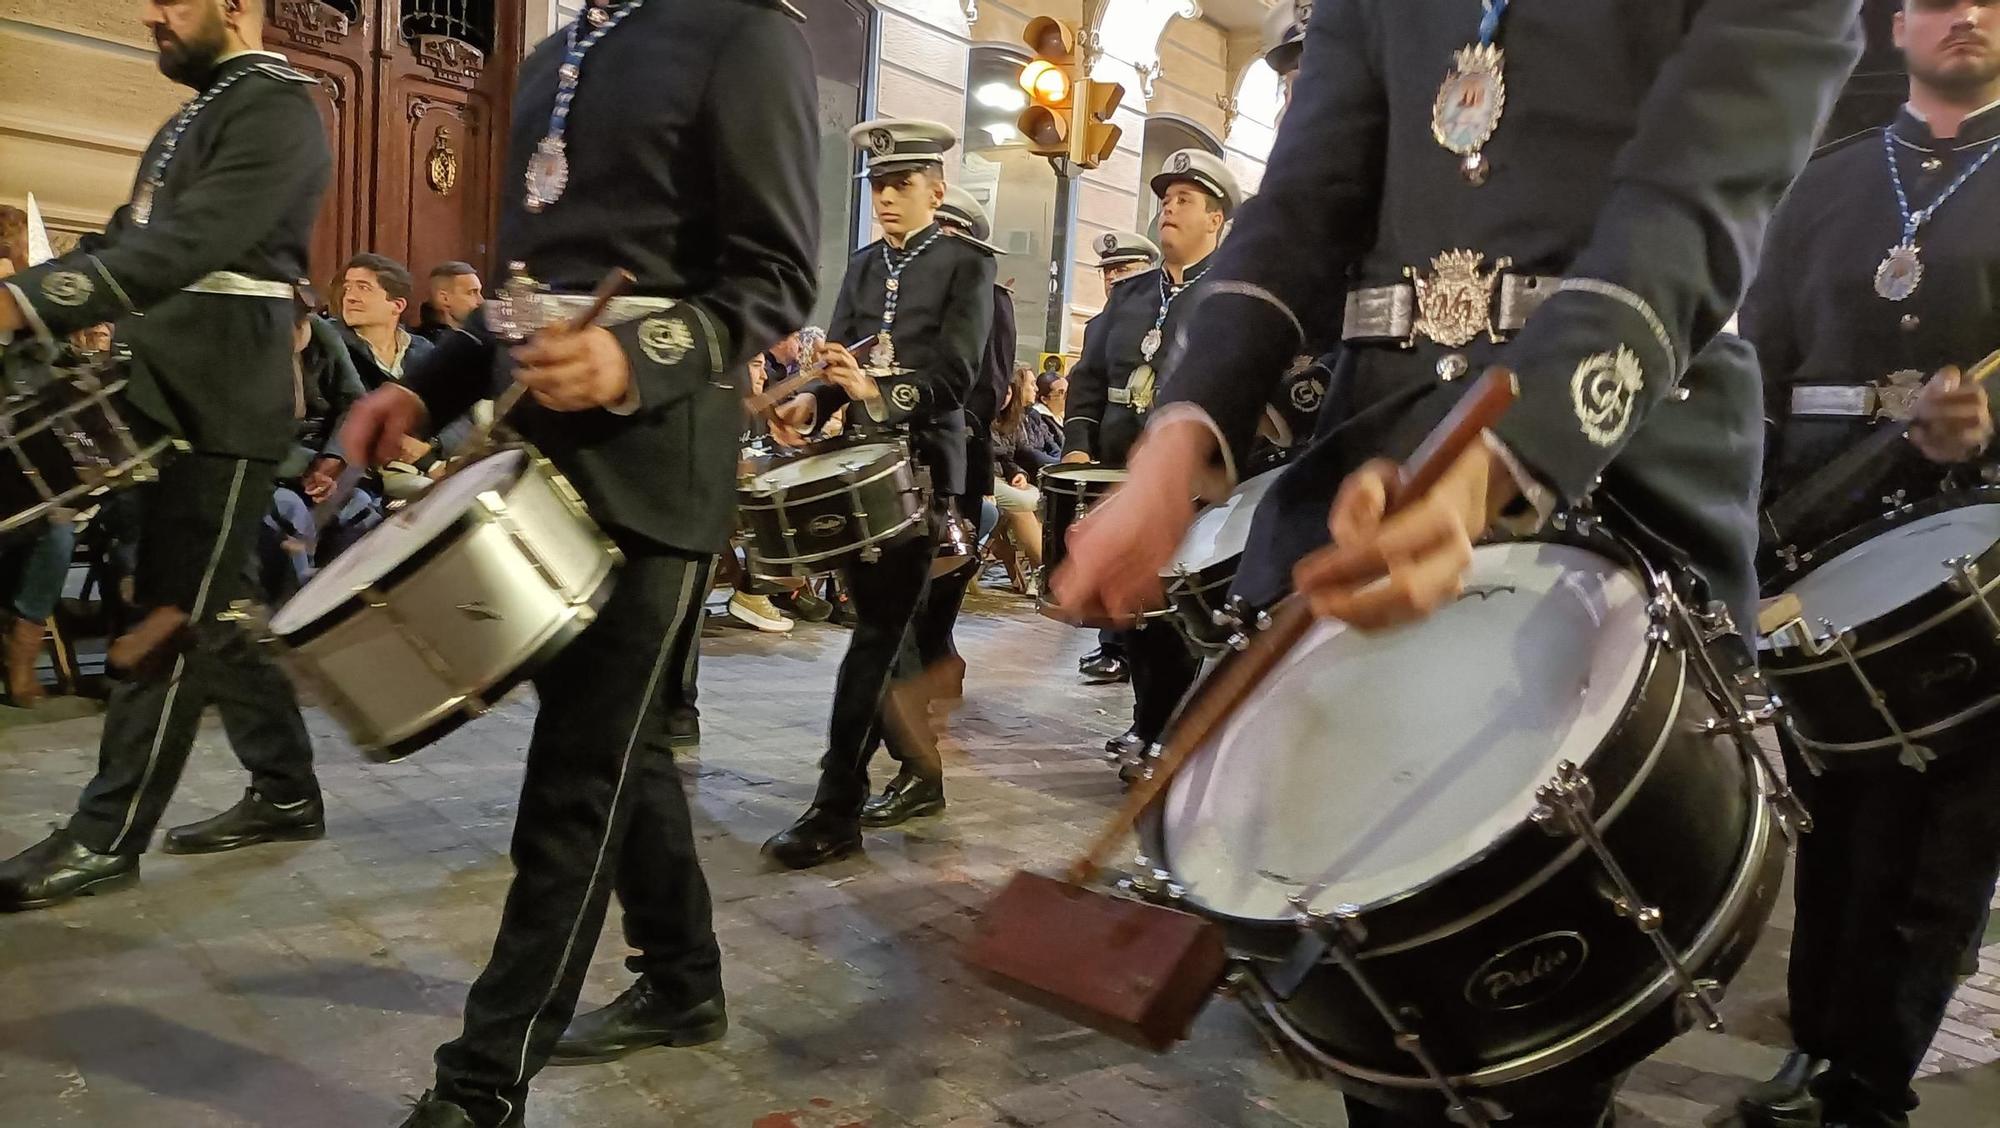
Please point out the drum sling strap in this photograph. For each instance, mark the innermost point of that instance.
(1138, 971)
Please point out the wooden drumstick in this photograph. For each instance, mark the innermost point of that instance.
(764, 402)
(481, 443)
(1233, 682)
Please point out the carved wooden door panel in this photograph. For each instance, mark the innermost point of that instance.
(327, 42)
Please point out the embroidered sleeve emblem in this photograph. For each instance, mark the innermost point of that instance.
(1605, 391)
(905, 397)
(665, 339)
(68, 288)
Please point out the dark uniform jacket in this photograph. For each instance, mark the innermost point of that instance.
(1112, 348)
(328, 385)
(944, 314)
(1815, 318)
(1641, 153)
(701, 185)
(240, 195)
(989, 391)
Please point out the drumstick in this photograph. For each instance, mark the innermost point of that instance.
(614, 283)
(771, 397)
(1233, 682)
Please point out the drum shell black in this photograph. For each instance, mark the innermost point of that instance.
(1691, 832)
(81, 440)
(1935, 661)
(1065, 498)
(815, 525)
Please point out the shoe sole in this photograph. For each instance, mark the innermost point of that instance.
(110, 884)
(925, 811)
(847, 851)
(1091, 679)
(760, 623)
(302, 834)
(713, 1032)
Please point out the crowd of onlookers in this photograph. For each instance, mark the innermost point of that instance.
(372, 325)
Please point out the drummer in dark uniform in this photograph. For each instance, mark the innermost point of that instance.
(926, 299)
(1120, 255)
(1876, 290)
(1113, 387)
(1591, 231)
(633, 145)
(207, 250)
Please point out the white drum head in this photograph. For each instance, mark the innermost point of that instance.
(1379, 762)
(394, 541)
(1222, 531)
(1877, 576)
(819, 467)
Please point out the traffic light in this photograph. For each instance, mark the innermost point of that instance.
(1068, 117)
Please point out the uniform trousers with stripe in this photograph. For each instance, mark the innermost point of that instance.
(601, 810)
(198, 531)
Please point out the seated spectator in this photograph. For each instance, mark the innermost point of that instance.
(1024, 442)
(1052, 396)
(33, 570)
(374, 295)
(455, 291)
(292, 545)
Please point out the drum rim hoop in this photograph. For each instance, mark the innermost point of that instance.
(1878, 526)
(148, 456)
(1654, 582)
(466, 522)
(849, 482)
(1883, 744)
(1707, 944)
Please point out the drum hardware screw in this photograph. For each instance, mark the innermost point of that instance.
(1694, 1006)
(1239, 642)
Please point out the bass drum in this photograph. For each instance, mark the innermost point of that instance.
(1458, 792)
(1895, 654)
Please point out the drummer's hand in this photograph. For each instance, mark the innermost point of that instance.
(1117, 551)
(1952, 420)
(1384, 572)
(791, 420)
(574, 370)
(845, 372)
(378, 423)
(1075, 458)
(1019, 481)
(10, 314)
(320, 478)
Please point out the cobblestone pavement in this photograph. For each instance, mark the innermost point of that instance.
(305, 985)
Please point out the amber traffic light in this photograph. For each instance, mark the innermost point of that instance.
(1068, 116)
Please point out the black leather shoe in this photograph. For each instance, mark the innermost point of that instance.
(1785, 1101)
(908, 796)
(59, 868)
(804, 605)
(432, 1111)
(683, 731)
(1104, 669)
(818, 837)
(252, 820)
(637, 1020)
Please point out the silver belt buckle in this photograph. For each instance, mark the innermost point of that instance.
(1856, 400)
(1120, 396)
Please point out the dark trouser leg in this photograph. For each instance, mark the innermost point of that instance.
(1822, 880)
(886, 596)
(600, 698)
(1111, 642)
(260, 714)
(939, 614)
(659, 881)
(201, 522)
(1163, 667)
(1590, 1108)
(1940, 831)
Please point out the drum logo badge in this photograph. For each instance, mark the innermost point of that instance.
(905, 396)
(1307, 394)
(665, 339)
(1606, 391)
(1533, 971)
(67, 288)
(826, 524)
(1455, 300)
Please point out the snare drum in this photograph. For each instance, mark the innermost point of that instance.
(1517, 841)
(833, 501)
(71, 440)
(1896, 652)
(1068, 492)
(1199, 578)
(436, 613)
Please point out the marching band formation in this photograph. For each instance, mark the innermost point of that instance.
(1474, 837)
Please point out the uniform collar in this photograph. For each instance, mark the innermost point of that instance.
(1980, 127)
(915, 237)
(1190, 273)
(234, 59)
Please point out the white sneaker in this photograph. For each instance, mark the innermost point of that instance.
(757, 611)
